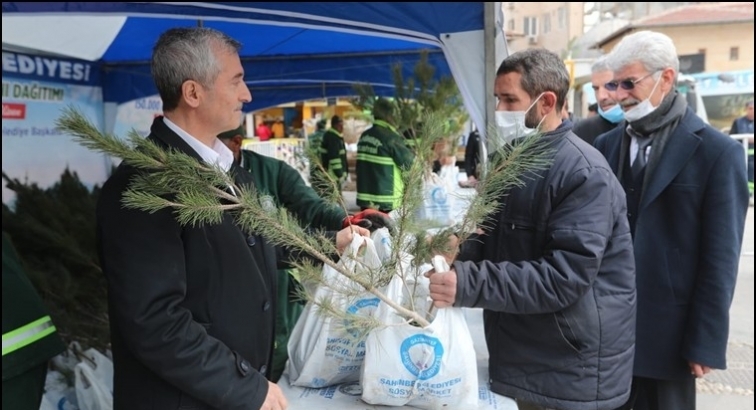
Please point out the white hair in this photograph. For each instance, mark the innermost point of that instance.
(655, 51)
(600, 65)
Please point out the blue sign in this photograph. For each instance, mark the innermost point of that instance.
(59, 70)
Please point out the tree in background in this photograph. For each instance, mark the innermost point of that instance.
(53, 230)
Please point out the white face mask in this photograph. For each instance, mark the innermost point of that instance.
(643, 108)
(510, 125)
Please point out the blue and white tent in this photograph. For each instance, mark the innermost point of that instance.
(292, 51)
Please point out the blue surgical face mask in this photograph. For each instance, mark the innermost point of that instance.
(613, 115)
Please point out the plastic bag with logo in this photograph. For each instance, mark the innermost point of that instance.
(382, 240)
(427, 368)
(437, 200)
(324, 350)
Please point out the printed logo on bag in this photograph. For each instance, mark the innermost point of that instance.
(351, 389)
(357, 306)
(438, 195)
(421, 355)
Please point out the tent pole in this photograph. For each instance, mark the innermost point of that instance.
(199, 23)
(489, 49)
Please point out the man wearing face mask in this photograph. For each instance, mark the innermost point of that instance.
(555, 272)
(609, 112)
(687, 201)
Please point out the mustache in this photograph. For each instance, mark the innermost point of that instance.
(629, 101)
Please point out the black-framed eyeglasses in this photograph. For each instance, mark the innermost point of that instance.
(628, 84)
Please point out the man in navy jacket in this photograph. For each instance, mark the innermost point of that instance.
(685, 184)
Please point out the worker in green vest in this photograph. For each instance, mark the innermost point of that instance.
(30, 339)
(333, 152)
(382, 154)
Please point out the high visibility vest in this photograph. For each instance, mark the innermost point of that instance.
(27, 334)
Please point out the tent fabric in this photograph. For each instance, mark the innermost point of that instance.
(292, 46)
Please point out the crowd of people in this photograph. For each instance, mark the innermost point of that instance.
(605, 280)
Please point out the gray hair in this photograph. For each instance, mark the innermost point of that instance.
(655, 51)
(600, 65)
(183, 54)
(541, 71)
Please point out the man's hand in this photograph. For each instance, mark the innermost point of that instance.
(344, 237)
(370, 219)
(443, 288)
(275, 399)
(450, 250)
(698, 370)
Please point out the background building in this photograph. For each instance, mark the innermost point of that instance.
(554, 26)
(709, 37)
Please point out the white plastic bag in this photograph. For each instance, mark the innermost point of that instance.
(450, 175)
(324, 351)
(94, 381)
(428, 368)
(382, 240)
(437, 202)
(58, 394)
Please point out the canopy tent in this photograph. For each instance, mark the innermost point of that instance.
(292, 51)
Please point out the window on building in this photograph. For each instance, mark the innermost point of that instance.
(511, 25)
(734, 53)
(546, 23)
(562, 17)
(530, 26)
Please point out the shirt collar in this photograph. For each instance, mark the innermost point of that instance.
(219, 154)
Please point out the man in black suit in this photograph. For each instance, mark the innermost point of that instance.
(687, 202)
(192, 308)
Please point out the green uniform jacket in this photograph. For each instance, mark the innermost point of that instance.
(381, 155)
(279, 180)
(285, 185)
(29, 336)
(333, 154)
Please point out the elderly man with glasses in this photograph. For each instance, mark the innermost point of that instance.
(685, 186)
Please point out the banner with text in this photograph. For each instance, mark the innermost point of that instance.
(137, 115)
(35, 89)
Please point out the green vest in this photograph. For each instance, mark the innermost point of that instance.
(29, 335)
(333, 154)
(381, 155)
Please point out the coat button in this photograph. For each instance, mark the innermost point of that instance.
(251, 240)
(266, 306)
(629, 215)
(263, 369)
(631, 190)
(245, 367)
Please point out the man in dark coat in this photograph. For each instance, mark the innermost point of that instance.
(609, 112)
(744, 125)
(192, 308)
(555, 274)
(472, 158)
(687, 203)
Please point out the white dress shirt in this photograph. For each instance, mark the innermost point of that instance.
(634, 149)
(219, 154)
